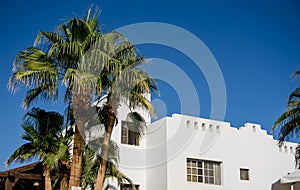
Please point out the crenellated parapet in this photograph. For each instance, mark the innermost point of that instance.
(219, 127)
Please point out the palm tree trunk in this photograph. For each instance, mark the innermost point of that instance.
(64, 176)
(47, 176)
(105, 150)
(81, 104)
(76, 166)
(64, 183)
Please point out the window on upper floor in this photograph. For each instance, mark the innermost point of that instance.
(244, 174)
(128, 136)
(128, 187)
(203, 171)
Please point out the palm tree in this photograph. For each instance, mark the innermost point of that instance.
(88, 63)
(60, 162)
(121, 81)
(289, 121)
(53, 59)
(43, 131)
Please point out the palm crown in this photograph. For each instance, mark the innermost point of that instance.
(43, 131)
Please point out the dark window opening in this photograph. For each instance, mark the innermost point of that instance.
(128, 136)
(244, 174)
(128, 187)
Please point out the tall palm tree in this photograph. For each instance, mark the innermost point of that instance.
(123, 82)
(289, 121)
(53, 59)
(118, 79)
(43, 131)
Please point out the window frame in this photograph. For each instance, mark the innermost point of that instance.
(128, 136)
(245, 171)
(203, 171)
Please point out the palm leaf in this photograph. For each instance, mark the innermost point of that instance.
(294, 96)
(45, 92)
(23, 154)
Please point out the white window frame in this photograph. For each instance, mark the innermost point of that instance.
(203, 171)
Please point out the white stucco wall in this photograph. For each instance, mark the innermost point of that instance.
(247, 147)
(132, 158)
(160, 160)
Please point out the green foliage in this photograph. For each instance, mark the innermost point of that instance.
(289, 121)
(43, 131)
(91, 163)
(47, 139)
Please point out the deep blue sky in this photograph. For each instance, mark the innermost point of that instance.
(256, 44)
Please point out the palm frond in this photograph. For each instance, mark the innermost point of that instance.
(95, 144)
(289, 123)
(114, 172)
(138, 100)
(90, 167)
(136, 123)
(294, 96)
(47, 37)
(22, 154)
(61, 154)
(44, 92)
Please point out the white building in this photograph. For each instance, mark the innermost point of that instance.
(183, 152)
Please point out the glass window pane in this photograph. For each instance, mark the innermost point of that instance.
(188, 178)
(200, 179)
(188, 163)
(211, 180)
(200, 172)
(206, 172)
(194, 178)
(194, 171)
(193, 163)
(206, 179)
(200, 164)
(188, 170)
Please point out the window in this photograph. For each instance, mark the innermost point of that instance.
(128, 136)
(128, 187)
(244, 174)
(203, 171)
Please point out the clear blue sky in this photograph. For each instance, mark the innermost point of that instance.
(256, 44)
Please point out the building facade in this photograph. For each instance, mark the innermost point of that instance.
(184, 152)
